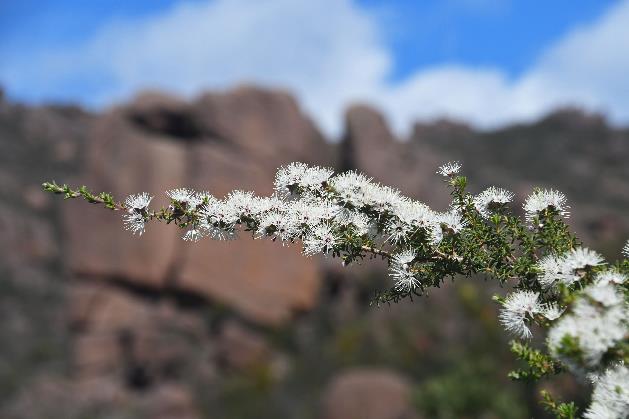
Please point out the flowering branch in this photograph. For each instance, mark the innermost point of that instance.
(558, 285)
(103, 198)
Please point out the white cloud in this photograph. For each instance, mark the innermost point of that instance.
(326, 51)
(329, 52)
(588, 67)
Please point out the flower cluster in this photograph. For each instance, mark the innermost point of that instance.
(567, 268)
(542, 200)
(611, 276)
(135, 219)
(597, 321)
(322, 211)
(610, 398)
(491, 199)
(559, 285)
(520, 308)
(401, 270)
(299, 177)
(449, 169)
(138, 202)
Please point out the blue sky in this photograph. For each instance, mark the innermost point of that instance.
(508, 34)
(503, 33)
(413, 59)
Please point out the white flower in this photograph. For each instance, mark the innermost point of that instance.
(610, 399)
(138, 202)
(595, 328)
(565, 268)
(218, 220)
(601, 411)
(213, 231)
(185, 196)
(398, 230)
(436, 235)
(485, 201)
(551, 269)
(312, 212)
(582, 257)
(361, 223)
(320, 240)
(193, 235)
(542, 199)
(449, 169)
(134, 222)
(243, 204)
(576, 260)
(289, 178)
(551, 311)
(380, 198)
(605, 294)
(278, 225)
(452, 220)
(611, 276)
(401, 272)
(198, 198)
(221, 212)
(414, 213)
(351, 188)
(270, 203)
(519, 306)
(180, 194)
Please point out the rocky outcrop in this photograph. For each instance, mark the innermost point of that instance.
(219, 143)
(368, 143)
(122, 161)
(132, 336)
(369, 146)
(265, 125)
(123, 335)
(367, 394)
(260, 279)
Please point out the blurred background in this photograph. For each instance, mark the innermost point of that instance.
(149, 95)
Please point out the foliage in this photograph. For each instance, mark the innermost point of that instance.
(539, 364)
(560, 410)
(468, 391)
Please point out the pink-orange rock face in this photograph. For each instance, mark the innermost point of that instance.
(367, 394)
(239, 348)
(370, 147)
(121, 333)
(263, 124)
(218, 144)
(262, 280)
(122, 161)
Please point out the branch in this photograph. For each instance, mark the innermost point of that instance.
(103, 198)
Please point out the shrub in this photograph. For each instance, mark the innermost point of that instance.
(558, 284)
